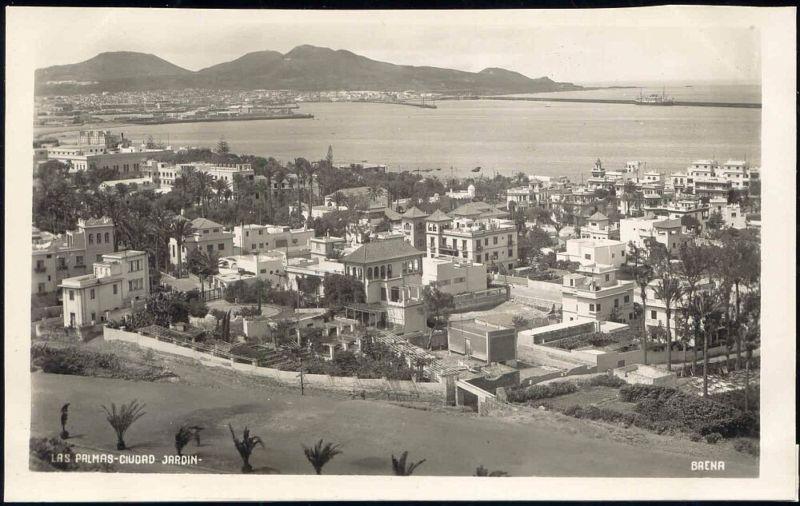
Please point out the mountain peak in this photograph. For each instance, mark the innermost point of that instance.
(304, 68)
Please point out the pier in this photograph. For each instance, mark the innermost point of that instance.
(744, 105)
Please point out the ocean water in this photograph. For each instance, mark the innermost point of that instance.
(500, 136)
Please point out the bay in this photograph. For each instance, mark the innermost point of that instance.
(502, 137)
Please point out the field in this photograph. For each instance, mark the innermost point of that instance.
(454, 443)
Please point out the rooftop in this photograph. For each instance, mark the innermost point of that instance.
(414, 212)
(380, 251)
(201, 223)
(598, 216)
(438, 215)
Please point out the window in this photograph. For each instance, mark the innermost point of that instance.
(216, 230)
(494, 240)
(72, 295)
(607, 277)
(94, 316)
(91, 294)
(383, 293)
(221, 246)
(99, 239)
(369, 272)
(486, 257)
(587, 256)
(598, 307)
(91, 239)
(107, 238)
(383, 273)
(652, 315)
(591, 307)
(41, 288)
(389, 270)
(616, 302)
(486, 242)
(630, 316)
(260, 245)
(263, 271)
(115, 288)
(205, 231)
(294, 241)
(627, 299)
(511, 253)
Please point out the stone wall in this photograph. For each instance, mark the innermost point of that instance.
(382, 388)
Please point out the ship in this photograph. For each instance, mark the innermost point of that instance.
(654, 99)
(476, 169)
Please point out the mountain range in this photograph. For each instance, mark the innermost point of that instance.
(304, 68)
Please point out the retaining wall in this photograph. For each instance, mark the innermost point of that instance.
(373, 387)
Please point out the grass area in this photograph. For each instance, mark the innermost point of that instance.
(607, 397)
(454, 443)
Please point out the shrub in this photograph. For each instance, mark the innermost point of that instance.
(535, 392)
(748, 446)
(713, 438)
(606, 381)
(43, 452)
(247, 311)
(694, 436)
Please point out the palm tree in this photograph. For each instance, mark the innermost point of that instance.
(320, 454)
(482, 471)
(705, 309)
(159, 227)
(181, 229)
(220, 188)
(400, 468)
(668, 288)
(202, 265)
(122, 420)
(262, 189)
(182, 438)
(642, 275)
(245, 447)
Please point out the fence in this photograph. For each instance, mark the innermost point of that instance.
(510, 280)
(212, 294)
(537, 303)
(353, 385)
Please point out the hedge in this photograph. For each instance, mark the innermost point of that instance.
(535, 392)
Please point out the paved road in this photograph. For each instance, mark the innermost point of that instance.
(369, 432)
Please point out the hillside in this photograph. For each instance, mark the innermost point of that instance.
(304, 68)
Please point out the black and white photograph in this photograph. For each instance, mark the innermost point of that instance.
(512, 244)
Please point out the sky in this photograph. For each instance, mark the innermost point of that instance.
(626, 45)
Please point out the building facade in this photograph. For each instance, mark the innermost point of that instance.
(207, 236)
(116, 281)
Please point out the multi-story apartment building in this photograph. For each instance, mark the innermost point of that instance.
(117, 280)
(391, 271)
(207, 236)
(594, 293)
(666, 231)
(685, 205)
(133, 184)
(656, 311)
(487, 240)
(598, 227)
(56, 257)
(702, 168)
(261, 238)
(738, 172)
(710, 187)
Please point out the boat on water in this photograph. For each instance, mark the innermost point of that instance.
(654, 99)
(476, 169)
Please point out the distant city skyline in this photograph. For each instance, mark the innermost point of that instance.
(633, 45)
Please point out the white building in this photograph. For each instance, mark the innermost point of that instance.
(453, 276)
(250, 267)
(594, 293)
(666, 231)
(731, 214)
(207, 236)
(262, 238)
(133, 184)
(115, 282)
